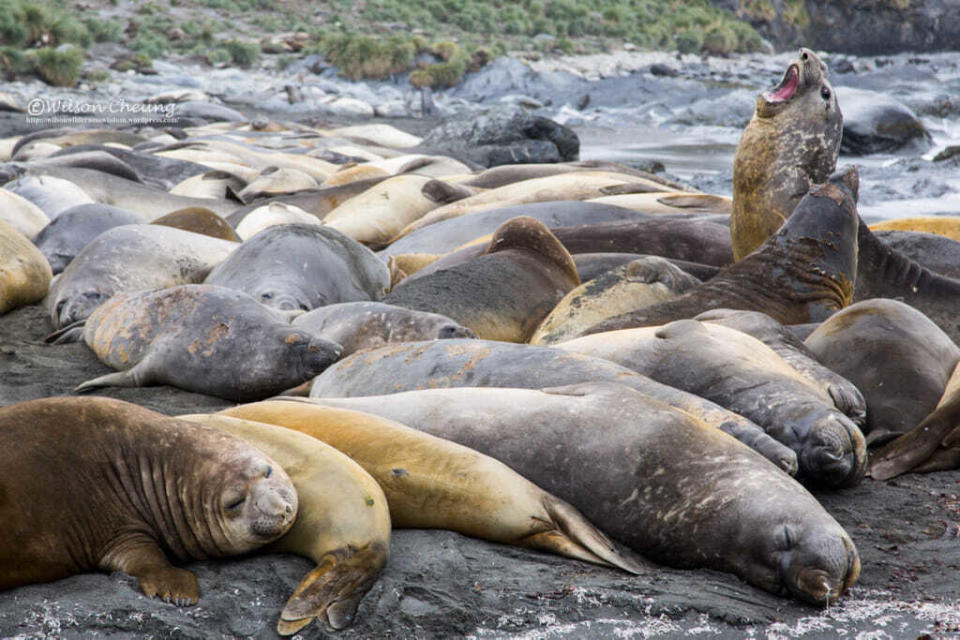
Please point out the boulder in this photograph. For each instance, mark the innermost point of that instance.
(876, 123)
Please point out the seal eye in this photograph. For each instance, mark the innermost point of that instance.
(825, 93)
(236, 504)
(269, 472)
(266, 296)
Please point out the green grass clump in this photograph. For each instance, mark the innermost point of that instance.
(97, 75)
(361, 56)
(720, 39)
(60, 68)
(104, 30)
(689, 40)
(218, 56)
(243, 53)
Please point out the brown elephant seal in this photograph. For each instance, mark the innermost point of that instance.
(896, 356)
(803, 273)
(502, 294)
(201, 338)
(199, 220)
(946, 226)
(846, 397)
(431, 483)
(96, 483)
(343, 522)
(368, 325)
(643, 282)
(791, 143)
(660, 481)
(488, 363)
(739, 372)
(24, 271)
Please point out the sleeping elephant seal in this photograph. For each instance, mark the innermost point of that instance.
(643, 282)
(803, 273)
(431, 483)
(368, 325)
(343, 522)
(96, 483)
(24, 272)
(75, 228)
(652, 477)
(488, 363)
(199, 220)
(504, 293)
(742, 374)
(791, 143)
(202, 338)
(896, 356)
(302, 267)
(131, 258)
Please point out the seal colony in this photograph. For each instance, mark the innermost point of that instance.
(676, 413)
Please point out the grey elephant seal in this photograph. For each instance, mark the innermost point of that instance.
(72, 230)
(368, 325)
(202, 338)
(790, 145)
(660, 481)
(303, 266)
(100, 484)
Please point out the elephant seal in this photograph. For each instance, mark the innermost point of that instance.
(937, 253)
(302, 267)
(502, 294)
(275, 181)
(638, 284)
(215, 184)
(21, 214)
(131, 258)
(75, 228)
(97, 483)
(317, 203)
(272, 215)
(199, 220)
(660, 481)
(846, 397)
(201, 338)
(50, 194)
(894, 354)
(343, 522)
(24, 272)
(368, 325)
(488, 363)
(740, 373)
(803, 273)
(946, 226)
(431, 483)
(791, 143)
(592, 265)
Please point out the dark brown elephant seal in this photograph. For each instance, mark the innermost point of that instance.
(791, 143)
(502, 294)
(199, 220)
(100, 484)
(803, 273)
(898, 358)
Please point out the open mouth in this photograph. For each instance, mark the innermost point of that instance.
(787, 87)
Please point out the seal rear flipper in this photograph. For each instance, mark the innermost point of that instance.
(917, 445)
(941, 460)
(128, 378)
(333, 590)
(572, 535)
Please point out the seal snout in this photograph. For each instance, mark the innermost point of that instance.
(836, 453)
(275, 508)
(823, 564)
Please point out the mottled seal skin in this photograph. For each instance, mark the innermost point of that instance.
(100, 484)
(71, 231)
(803, 273)
(846, 397)
(343, 522)
(202, 338)
(199, 220)
(635, 285)
(131, 258)
(896, 356)
(742, 374)
(938, 253)
(302, 267)
(791, 143)
(487, 363)
(661, 482)
(433, 483)
(502, 294)
(368, 325)
(24, 272)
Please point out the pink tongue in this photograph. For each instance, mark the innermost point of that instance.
(785, 92)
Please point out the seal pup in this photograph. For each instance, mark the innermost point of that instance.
(368, 325)
(660, 481)
(803, 273)
(97, 483)
(790, 144)
(502, 294)
(75, 228)
(24, 272)
(201, 338)
(343, 522)
(302, 267)
(431, 483)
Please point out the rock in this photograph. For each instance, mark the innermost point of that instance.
(208, 111)
(952, 151)
(875, 123)
(344, 106)
(663, 70)
(504, 136)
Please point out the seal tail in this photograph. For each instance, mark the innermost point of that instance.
(572, 535)
(333, 590)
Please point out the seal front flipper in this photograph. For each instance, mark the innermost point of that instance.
(333, 590)
(916, 447)
(139, 556)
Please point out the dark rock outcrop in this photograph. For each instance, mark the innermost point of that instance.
(876, 123)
